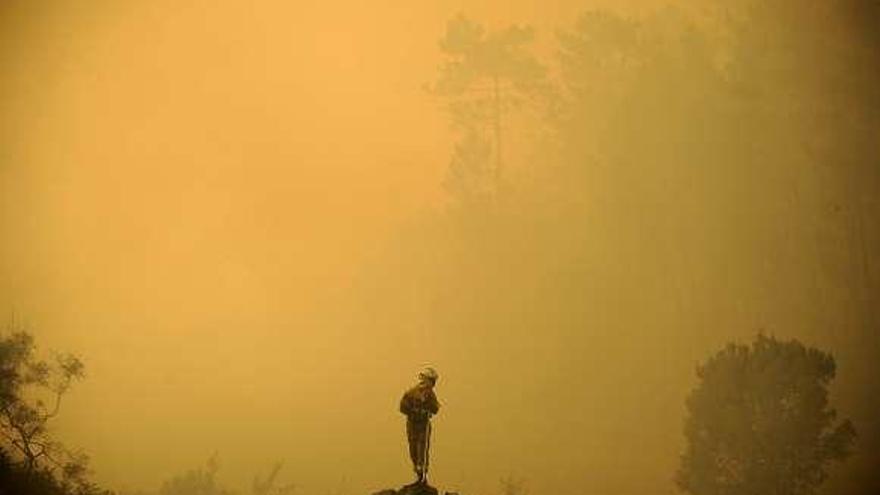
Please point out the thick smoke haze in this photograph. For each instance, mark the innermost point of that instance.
(255, 222)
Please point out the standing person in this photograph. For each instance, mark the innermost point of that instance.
(419, 404)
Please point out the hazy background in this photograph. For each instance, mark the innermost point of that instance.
(235, 213)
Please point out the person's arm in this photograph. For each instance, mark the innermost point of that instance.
(432, 404)
(406, 406)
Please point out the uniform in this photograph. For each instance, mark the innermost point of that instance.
(418, 404)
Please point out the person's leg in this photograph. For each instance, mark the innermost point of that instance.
(412, 436)
(417, 446)
(426, 446)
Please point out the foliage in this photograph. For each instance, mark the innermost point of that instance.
(203, 481)
(511, 485)
(470, 175)
(269, 485)
(485, 75)
(31, 461)
(760, 422)
(199, 481)
(16, 480)
(477, 58)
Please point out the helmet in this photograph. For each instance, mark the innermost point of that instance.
(429, 373)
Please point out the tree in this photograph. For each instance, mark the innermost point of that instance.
(485, 73)
(759, 421)
(24, 422)
(31, 390)
(469, 177)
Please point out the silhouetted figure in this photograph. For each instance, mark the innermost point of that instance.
(419, 404)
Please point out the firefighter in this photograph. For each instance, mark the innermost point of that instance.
(419, 404)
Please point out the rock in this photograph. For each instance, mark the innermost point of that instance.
(412, 489)
(417, 489)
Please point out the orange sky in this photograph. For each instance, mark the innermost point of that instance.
(190, 190)
(185, 184)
